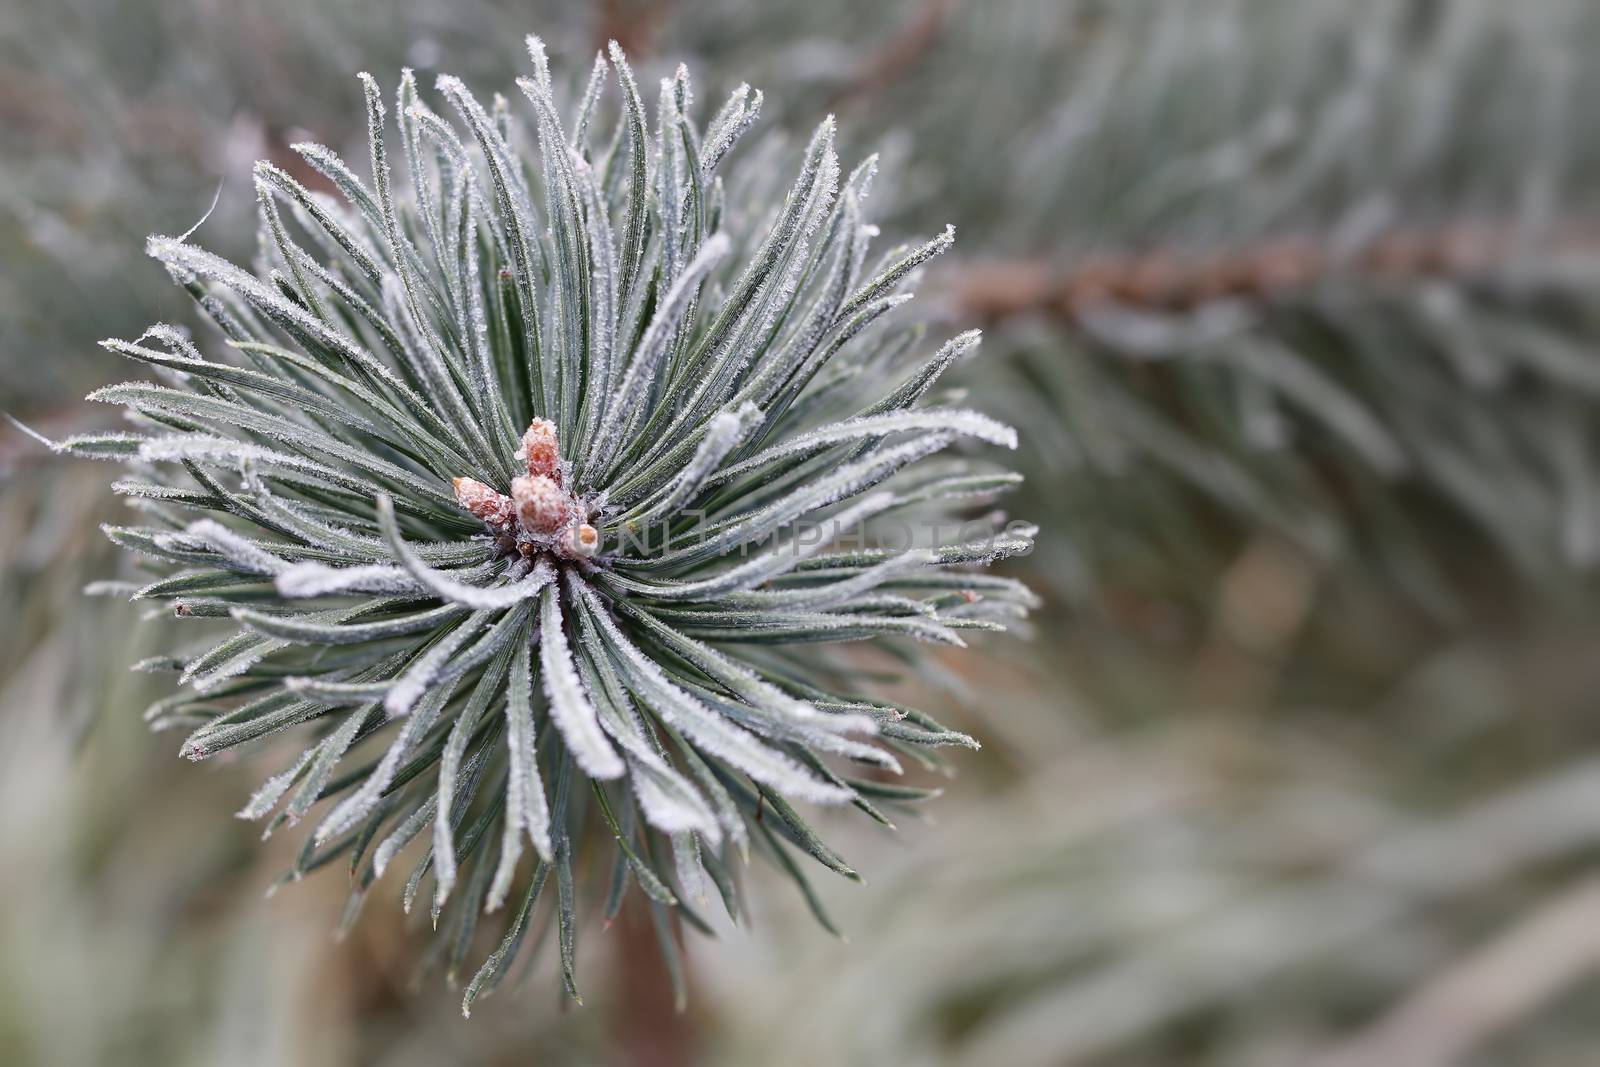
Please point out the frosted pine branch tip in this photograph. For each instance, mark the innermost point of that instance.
(531, 517)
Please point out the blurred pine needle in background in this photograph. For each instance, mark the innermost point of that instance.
(1294, 305)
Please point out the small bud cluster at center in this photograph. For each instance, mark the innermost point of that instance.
(541, 514)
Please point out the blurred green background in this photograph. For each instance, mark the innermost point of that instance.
(1296, 304)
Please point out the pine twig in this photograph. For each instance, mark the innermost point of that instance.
(1173, 280)
(520, 437)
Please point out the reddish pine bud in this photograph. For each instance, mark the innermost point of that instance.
(583, 540)
(542, 505)
(542, 449)
(495, 509)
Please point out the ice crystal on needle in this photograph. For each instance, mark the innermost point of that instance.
(526, 485)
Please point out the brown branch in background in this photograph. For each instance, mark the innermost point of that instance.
(657, 1033)
(897, 55)
(1165, 280)
(1540, 957)
(633, 24)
